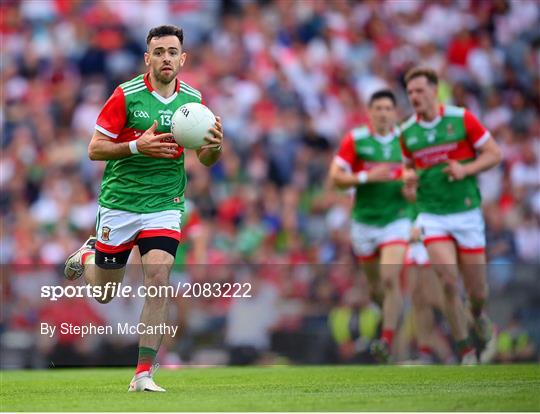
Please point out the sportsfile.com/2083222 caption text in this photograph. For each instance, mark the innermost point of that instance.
(181, 289)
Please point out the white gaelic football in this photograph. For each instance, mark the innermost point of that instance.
(190, 124)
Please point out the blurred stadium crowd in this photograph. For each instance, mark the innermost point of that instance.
(288, 79)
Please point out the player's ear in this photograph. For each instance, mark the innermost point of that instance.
(147, 58)
(183, 57)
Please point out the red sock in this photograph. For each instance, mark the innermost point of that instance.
(465, 350)
(147, 356)
(388, 336)
(425, 349)
(87, 256)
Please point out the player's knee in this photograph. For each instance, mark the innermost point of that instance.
(159, 277)
(450, 289)
(389, 281)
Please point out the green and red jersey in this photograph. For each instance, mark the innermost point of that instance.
(454, 135)
(380, 203)
(138, 183)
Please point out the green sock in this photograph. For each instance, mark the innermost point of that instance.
(464, 346)
(147, 356)
(477, 305)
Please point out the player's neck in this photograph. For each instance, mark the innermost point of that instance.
(383, 131)
(430, 114)
(163, 89)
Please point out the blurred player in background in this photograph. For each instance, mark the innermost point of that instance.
(426, 293)
(444, 148)
(142, 193)
(369, 160)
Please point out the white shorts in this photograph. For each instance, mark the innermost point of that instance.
(118, 230)
(417, 254)
(466, 229)
(367, 239)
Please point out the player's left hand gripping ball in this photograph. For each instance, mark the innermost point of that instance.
(215, 139)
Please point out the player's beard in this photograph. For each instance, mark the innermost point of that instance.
(165, 79)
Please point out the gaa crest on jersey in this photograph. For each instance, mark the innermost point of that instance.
(449, 129)
(141, 114)
(105, 233)
(431, 135)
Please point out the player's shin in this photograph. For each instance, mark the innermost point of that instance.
(392, 306)
(392, 257)
(424, 320)
(157, 266)
(473, 268)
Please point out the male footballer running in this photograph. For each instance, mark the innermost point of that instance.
(142, 192)
(444, 148)
(369, 160)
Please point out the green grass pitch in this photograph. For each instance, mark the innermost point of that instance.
(326, 388)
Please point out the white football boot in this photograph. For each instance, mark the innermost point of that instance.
(490, 350)
(74, 267)
(144, 381)
(470, 358)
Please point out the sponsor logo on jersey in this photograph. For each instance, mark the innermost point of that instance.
(167, 111)
(141, 114)
(437, 154)
(105, 233)
(109, 259)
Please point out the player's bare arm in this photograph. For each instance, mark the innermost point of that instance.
(489, 155)
(210, 153)
(103, 148)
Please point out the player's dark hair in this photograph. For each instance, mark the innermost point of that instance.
(418, 72)
(165, 30)
(383, 93)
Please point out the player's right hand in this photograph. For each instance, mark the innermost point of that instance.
(380, 173)
(409, 177)
(157, 145)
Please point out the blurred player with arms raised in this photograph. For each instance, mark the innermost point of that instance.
(142, 192)
(444, 148)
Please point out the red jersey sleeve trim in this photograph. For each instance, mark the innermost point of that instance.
(477, 134)
(405, 153)
(112, 118)
(105, 132)
(342, 163)
(346, 153)
(482, 140)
